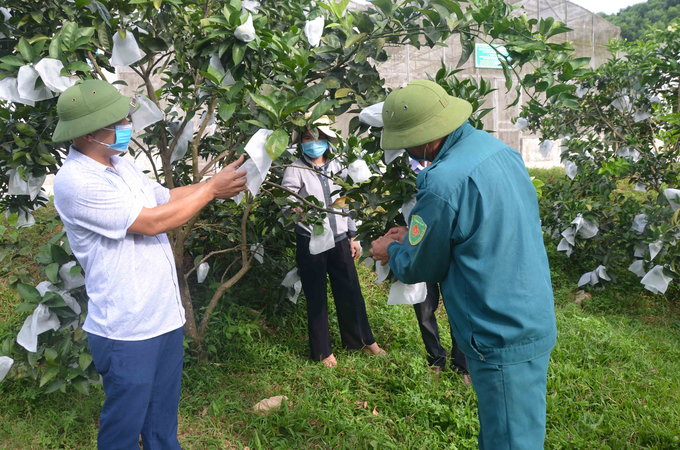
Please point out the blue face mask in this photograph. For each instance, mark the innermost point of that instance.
(123, 137)
(314, 149)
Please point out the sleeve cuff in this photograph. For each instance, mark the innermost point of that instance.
(393, 248)
(134, 213)
(351, 233)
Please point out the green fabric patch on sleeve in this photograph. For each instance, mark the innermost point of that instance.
(417, 230)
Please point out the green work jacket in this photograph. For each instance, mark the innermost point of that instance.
(476, 230)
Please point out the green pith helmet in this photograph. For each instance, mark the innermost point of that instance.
(421, 112)
(88, 106)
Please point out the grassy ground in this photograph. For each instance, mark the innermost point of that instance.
(614, 381)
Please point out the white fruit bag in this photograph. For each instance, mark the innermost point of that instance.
(372, 115)
(69, 281)
(292, 282)
(5, 364)
(147, 114)
(314, 31)
(37, 323)
(246, 32)
(125, 51)
(382, 271)
(182, 144)
(391, 155)
(655, 280)
(49, 70)
(202, 271)
(319, 243)
(26, 85)
(257, 151)
(358, 171)
(407, 294)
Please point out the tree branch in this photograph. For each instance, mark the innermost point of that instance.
(304, 201)
(197, 139)
(148, 155)
(233, 280)
(96, 66)
(208, 256)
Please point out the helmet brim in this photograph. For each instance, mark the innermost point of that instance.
(441, 124)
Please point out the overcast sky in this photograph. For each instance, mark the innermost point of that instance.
(607, 6)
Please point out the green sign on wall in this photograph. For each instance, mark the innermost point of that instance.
(487, 58)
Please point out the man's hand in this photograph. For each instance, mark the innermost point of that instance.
(397, 233)
(228, 182)
(356, 249)
(379, 249)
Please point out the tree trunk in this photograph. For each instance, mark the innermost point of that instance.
(190, 329)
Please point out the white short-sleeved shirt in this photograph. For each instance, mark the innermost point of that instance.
(131, 280)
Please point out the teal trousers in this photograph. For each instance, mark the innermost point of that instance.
(512, 403)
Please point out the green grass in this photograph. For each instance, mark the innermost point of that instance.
(614, 382)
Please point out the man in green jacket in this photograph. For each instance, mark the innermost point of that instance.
(476, 230)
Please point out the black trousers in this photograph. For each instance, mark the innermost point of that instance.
(338, 264)
(436, 354)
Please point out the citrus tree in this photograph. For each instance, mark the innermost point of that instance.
(619, 126)
(216, 74)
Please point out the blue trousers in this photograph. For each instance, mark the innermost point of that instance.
(142, 383)
(512, 404)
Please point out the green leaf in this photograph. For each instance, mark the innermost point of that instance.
(29, 293)
(25, 49)
(318, 229)
(55, 47)
(103, 34)
(51, 356)
(82, 384)
(341, 93)
(467, 46)
(68, 33)
(156, 44)
(579, 62)
(50, 373)
(314, 91)
(58, 384)
(52, 271)
(266, 103)
(84, 360)
(79, 66)
(44, 258)
(353, 39)
(276, 144)
(59, 255)
(226, 110)
(321, 109)
(87, 32)
(157, 4)
(26, 129)
(507, 74)
(25, 307)
(296, 104)
(75, 270)
(237, 53)
(13, 60)
(559, 88)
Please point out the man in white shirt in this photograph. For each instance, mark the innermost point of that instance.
(116, 218)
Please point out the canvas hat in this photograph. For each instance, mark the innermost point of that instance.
(89, 106)
(420, 113)
(321, 124)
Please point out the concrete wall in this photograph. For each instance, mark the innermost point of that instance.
(590, 36)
